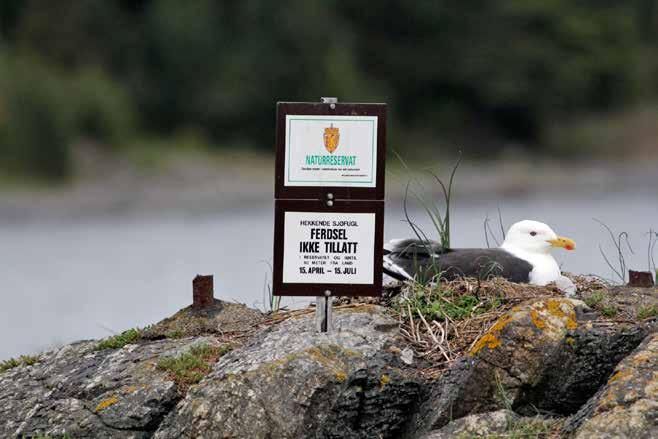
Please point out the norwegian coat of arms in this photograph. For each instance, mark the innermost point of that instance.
(331, 138)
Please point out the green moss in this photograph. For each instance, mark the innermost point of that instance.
(439, 303)
(594, 299)
(23, 360)
(9, 364)
(608, 310)
(175, 334)
(119, 341)
(529, 428)
(601, 302)
(190, 367)
(644, 312)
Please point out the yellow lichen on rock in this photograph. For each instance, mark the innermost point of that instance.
(491, 338)
(501, 323)
(106, 403)
(620, 375)
(384, 380)
(330, 357)
(552, 316)
(626, 406)
(563, 309)
(341, 376)
(536, 320)
(488, 339)
(129, 389)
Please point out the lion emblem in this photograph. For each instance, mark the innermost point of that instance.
(331, 138)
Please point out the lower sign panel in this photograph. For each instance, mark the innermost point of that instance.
(319, 248)
(325, 247)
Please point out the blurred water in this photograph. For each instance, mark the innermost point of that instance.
(63, 281)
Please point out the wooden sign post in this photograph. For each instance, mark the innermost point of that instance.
(329, 201)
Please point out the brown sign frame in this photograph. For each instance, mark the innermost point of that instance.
(318, 289)
(325, 109)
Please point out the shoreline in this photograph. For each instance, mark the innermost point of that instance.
(196, 184)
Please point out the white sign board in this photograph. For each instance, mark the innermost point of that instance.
(331, 151)
(328, 247)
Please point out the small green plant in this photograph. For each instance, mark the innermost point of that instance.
(175, 334)
(274, 302)
(189, 368)
(120, 340)
(502, 394)
(618, 241)
(9, 364)
(609, 310)
(440, 220)
(29, 360)
(532, 428)
(594, 299)
(646, 311)
(25, 360)
(437, 303)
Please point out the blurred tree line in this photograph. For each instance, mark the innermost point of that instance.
(480, 73)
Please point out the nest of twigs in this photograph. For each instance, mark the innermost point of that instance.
(443, 321)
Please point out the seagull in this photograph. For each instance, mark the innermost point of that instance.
(524, 257)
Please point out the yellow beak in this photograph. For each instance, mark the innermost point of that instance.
(563, 242)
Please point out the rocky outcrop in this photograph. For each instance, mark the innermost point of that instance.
(292, 382)
(627, 406)
(551, 355)
(538, 356)
(219, 318)
(287, 381)
(84, 392)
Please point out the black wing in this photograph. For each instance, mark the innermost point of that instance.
(411, 259)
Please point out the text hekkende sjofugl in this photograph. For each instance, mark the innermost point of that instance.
(334, 240)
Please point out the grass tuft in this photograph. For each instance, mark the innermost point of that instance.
(120, 340)
(596, 298)
(609, 310)
(647, 311)
(189, 368)
(177, 333)
(23, 360)
(439, 217)
(440, 302)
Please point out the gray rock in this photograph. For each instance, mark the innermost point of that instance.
(292, 382)
(407, 356)
(579, 367)
(627, 406)
(479, 425)
(544, 355)
(115, 393)
(566, 285)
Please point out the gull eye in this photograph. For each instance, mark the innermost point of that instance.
(533, 233)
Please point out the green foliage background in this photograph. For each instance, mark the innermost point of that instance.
(478, 73)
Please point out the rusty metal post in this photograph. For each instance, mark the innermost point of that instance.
(203, 291)
(642, 279)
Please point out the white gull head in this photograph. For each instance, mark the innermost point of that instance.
(532, 242)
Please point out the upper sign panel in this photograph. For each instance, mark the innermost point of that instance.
(331, 151)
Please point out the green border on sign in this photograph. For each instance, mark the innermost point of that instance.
(374, 139)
